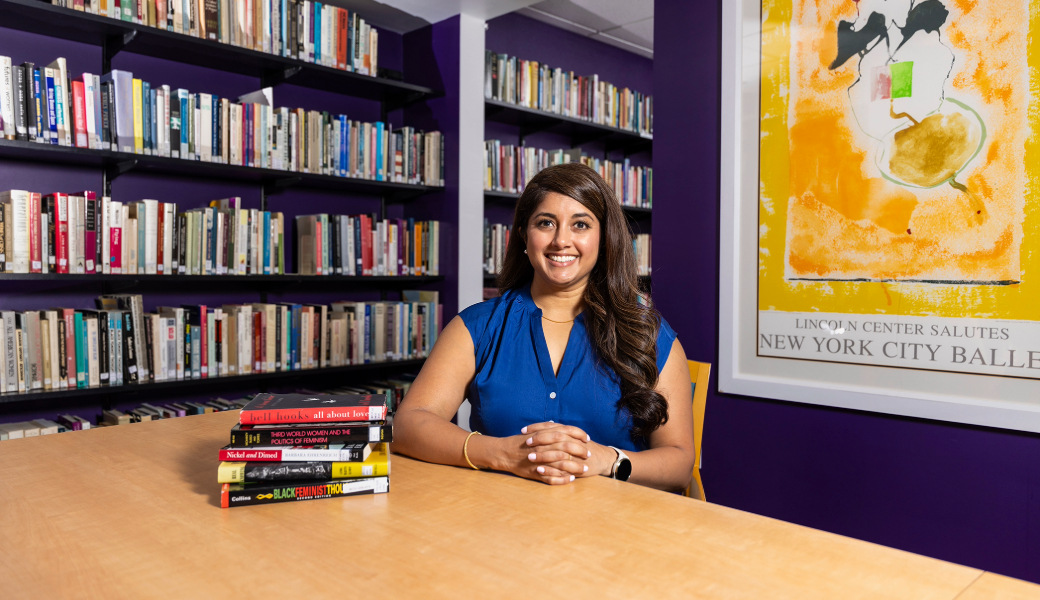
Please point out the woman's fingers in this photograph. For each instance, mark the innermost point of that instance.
(559, 428)
(549, 437)
(552, 475)
(556, 452)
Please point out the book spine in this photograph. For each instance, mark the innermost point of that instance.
(313, 415)
(90, 232)
(294, 436)
(293, 454)
(235, 495)
(277, 472)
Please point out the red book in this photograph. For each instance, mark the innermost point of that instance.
(267, 408)
(161, 222)
(61, 232)
(90, 232)
(203, 331)
(115, 237)
(35, 240)
(79, 118)
(69, 315)
(366, 245)
(258, 348)
(318, 248)
(341, 38)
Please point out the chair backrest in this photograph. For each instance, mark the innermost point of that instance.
(699, 375)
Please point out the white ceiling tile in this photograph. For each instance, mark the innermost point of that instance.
(640, 48)
(619, 12)
(567, 10)
(643, 30)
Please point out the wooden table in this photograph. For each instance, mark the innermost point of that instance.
(133, 512)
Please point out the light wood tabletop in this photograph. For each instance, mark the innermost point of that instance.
(133, 512)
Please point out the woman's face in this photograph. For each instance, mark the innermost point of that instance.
(562, 240)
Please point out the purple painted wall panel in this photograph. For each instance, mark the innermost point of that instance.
(528, 39)
(965, 494)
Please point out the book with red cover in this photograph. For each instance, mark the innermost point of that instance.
(115, 241)
(306, 453)
(69, 316)
(301, 408)
(90, 231)
(160, 224)
(79, 119)
(36, 242)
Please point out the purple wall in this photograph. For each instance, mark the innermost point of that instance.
(970, 495)
(188, 193)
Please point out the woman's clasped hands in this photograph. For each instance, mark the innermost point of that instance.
(556, 454)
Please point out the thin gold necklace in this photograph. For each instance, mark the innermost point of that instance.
(551, 321)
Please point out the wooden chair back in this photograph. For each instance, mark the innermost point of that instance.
(699, 375)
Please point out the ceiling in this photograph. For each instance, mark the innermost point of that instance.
(626, 24)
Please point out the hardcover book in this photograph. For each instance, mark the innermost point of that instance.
(243, 436)
(312, 453)
(268, 408)
(376, 465)
(243, 494)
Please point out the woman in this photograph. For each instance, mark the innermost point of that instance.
(570, 372)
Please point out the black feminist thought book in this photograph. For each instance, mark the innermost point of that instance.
(243, 494)
(294, 434)
(303, 408)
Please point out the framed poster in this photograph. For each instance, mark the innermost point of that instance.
(881, 206)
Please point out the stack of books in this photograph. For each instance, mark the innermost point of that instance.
(289, 447)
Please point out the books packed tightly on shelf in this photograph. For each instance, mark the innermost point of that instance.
(242, 436)
(531, 84)
(508, 168)
(641, 246)
(290, 447)
(364, 245)
(121, 344)
(313, 32)
(121, 113)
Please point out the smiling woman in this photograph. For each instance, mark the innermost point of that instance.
(571, 372)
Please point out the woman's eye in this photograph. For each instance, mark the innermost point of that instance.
(581, 225)
(545, 223)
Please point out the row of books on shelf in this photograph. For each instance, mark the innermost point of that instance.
(508, 168)
(121, 344)
(641, 246)
(119, 112)
(313, 32)
(354, 245)
(80, 233)
(532, 84)
(289, 447)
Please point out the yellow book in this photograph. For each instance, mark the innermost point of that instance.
(376, 465)
(138, 119)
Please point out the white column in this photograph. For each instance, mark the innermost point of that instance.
(471, 148)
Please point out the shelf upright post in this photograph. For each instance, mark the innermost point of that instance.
(111, 46)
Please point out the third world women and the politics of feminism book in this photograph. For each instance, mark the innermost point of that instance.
(269, 408)
(315, 453)
(294, 434)
(376, 465)
(243, 494)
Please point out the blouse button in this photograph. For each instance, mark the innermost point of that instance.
(552, 394)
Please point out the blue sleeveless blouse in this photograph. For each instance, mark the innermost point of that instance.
(515, 385)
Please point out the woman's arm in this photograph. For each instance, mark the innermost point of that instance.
(423, 428)
(668, 464)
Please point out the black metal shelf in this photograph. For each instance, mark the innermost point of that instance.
(263, 282)
(212, 383)
(509, 198)
(121, 162)
(531, 121)
(114, 36)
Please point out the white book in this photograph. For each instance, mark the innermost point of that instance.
(77, 231)
(3, 355)
(160, 125)
(44, 223)
(61, 94)
(205, 128)
(7, 96)
(93, 356)
(220, 260)
(151, 235)
(52, 348)
(242, 241)
(169, 264)
(106, 235)
(88, 102)
(235, 146)
(18, 251)
(225, 112)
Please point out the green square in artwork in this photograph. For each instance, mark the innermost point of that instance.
(902, 79)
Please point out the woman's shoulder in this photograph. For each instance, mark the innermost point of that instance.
(665, 338)
(478, 316)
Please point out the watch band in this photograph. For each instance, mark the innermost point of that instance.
(621, 458)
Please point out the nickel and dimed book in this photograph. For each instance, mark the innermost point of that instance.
(244, 494)
(301, 408)
(377, 465)
(314, 453)
(293, 434)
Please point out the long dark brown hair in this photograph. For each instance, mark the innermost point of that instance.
(622, 323)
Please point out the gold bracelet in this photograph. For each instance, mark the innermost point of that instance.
(465, 449)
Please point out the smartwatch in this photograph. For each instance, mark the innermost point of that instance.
(622, 467)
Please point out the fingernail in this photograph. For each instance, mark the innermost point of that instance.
(532, 456)
(524, 429)
(572, 477)
(588, 438)
(586, 468)
(590, 454)
(551, 421)
(540, 469)
(530, 440)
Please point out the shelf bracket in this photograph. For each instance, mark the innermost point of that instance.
(273, 186)
(403, 101)
(272, 77)
(113, 45)
(115, 170)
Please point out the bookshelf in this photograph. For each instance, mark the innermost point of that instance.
(529, 121)
(54, 31)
